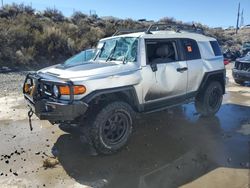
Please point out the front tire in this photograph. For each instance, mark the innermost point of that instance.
(111, 127)
(208, 101)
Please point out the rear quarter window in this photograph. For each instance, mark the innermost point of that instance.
(191, 49)
(216, 48)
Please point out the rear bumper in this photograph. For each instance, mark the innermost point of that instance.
(241, 75)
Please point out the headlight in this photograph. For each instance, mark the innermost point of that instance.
(56, 91)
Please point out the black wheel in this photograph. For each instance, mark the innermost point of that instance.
(241, 82)
(208, 101)
(111, 127)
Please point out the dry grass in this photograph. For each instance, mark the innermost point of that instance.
(41, 39)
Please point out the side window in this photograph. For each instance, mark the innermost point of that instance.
(216, 48)
(161, 51)
(191, 49)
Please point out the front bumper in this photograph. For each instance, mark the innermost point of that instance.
(241, 75)
(47, 108)
(55, 111)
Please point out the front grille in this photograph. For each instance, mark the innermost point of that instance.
(242, 66)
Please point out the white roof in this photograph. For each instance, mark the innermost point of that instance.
(167, 34)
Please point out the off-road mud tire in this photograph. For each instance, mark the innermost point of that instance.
(102, 121)
(209, 100)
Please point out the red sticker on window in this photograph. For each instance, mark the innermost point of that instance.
(189, 48)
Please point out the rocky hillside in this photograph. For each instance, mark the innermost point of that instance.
(38, 39)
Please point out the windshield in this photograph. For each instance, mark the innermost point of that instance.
(80, 58)
(118, 49)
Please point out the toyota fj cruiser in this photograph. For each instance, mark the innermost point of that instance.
(131, 73)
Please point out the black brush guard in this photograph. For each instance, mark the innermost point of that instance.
(48, 107)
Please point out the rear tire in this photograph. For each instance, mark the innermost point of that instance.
(208, 101)
(111, 127)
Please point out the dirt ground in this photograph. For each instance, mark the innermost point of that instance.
(173, 148)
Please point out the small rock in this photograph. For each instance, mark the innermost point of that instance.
(16, 174)
(50, 163)
(7, 161)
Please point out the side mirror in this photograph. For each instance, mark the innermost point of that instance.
(154, 67)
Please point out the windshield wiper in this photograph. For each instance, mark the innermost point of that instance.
(112, 52)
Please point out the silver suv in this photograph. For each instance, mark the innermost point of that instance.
(131, 73)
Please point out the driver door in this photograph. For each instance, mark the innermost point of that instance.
(166, 74)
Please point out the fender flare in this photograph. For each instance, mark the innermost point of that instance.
(218, 75)
(129, 91)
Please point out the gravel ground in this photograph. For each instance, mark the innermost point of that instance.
(11, 83)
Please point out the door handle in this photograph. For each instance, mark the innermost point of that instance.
(182, 69)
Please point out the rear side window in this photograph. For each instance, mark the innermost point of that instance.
(216, 48)
(191, 49)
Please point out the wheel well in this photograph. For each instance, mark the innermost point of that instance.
(220, 77)
(102, 99)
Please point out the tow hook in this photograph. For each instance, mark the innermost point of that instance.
(30, 114)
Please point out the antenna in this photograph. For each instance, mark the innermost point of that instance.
(238, 17)
(242, 18)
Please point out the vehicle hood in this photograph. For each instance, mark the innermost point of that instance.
(89, 70)
(245, 59)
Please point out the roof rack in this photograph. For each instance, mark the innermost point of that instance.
(175, 27)
(126, 31)
(163, 27)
